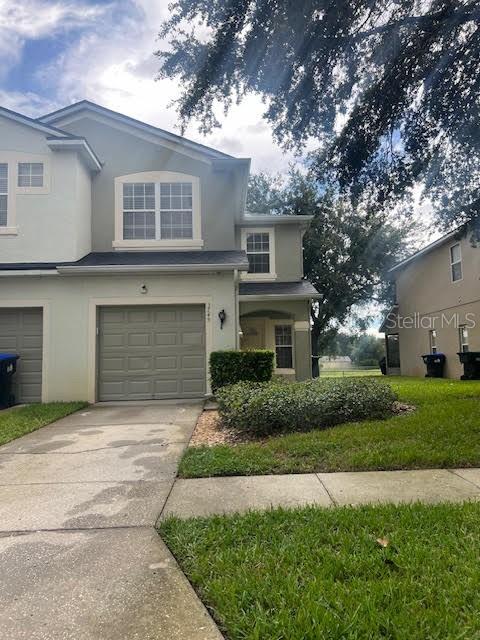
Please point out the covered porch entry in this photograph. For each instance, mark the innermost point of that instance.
(282, 327)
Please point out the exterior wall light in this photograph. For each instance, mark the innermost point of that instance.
(222, 316)
(143, 288)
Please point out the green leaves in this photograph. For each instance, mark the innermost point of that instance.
(301, 406)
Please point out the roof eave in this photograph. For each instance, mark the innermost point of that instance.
(258, 297)
(126, 269)
(133, 122)
(81, 146)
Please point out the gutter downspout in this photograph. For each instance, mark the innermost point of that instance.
(236, 287)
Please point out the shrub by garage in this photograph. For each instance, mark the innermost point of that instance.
(274, 407)
(230, 367)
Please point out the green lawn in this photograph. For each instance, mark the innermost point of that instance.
(318, 573)
(444, 431)
(15, 423)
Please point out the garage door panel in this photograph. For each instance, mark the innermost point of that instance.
(21, 331)
(165, 338)
(161, 354)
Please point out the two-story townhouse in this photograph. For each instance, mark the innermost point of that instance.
(126, 257)
(437, 307)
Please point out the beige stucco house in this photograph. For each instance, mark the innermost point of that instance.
(126, 257)
(437, 306)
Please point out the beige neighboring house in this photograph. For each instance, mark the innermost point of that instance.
(437, 307)
(127, 256)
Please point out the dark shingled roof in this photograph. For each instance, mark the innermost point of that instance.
(300, 288)
(237, 259)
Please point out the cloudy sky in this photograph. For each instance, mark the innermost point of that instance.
(53, 53)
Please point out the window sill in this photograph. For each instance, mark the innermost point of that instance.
(155, 245)
(263, 277)
(8, 231)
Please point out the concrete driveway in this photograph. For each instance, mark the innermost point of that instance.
(79, 557)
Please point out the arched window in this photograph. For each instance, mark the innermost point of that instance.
(157, 209)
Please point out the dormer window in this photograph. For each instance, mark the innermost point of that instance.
(163, 211)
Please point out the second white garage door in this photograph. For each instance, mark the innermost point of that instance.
(151, 352)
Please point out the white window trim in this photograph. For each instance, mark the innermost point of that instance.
(12, 158)
(270, 342)
(260, 276)
(460, 338)
(46, 176)
(455, 244)
(432, 338)
(154, 245)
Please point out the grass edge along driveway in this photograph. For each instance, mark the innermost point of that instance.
(344, 574)
(18, 421)
(443, 432)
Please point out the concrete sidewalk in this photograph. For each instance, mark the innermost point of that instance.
(79, 556)
(210, 496)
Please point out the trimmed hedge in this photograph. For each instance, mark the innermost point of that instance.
(229, 367)
(315, 404)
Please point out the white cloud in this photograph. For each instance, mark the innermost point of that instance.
(111, 62)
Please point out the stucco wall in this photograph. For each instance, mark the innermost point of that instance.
(70, 333)
(299, 312)
(288, 249)
(426, 293)
(51, 226)
(124, 153)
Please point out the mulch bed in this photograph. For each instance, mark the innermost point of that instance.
(209, 430)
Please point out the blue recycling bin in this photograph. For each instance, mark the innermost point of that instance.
(8, 366)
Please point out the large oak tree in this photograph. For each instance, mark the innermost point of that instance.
(389, 89)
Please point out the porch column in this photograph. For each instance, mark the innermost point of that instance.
(303, 351)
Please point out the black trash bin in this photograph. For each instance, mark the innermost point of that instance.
(8, 366)
(382, 363)
(435, 364)
(471, 365)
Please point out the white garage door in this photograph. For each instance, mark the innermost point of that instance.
(151, 352)
(21, 332)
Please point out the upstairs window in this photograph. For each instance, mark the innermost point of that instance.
(30, 174)
(463, 338)
(433, 341)
(176, 210)
(157, 211)
(283, 346)
(456, 262)
(139, 211)
(3, 194)
(258, 252)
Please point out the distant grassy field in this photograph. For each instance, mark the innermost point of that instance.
(349, 373)
(444, 431)
(392, 572)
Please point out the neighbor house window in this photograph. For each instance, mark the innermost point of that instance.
(456, 262)
(463, 338)
(176, 210)
(283, 346)
(30, 174)
(433, 341)
(3, 194)
(139, 211)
